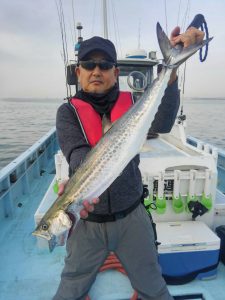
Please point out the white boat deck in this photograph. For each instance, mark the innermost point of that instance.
(28, 272)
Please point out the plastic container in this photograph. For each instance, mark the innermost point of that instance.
(186, 248)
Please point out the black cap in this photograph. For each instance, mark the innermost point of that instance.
(97, 43)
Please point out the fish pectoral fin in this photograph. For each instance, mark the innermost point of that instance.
(57, 241)
(74, 209)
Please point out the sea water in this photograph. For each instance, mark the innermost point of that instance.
(205, 120)
(24, 121)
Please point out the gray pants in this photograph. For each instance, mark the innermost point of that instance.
(131, 239)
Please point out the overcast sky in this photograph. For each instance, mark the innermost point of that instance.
(31, 63)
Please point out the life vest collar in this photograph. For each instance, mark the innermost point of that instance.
(91, 121)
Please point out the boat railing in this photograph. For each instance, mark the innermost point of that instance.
(17, 177)
(220, 160)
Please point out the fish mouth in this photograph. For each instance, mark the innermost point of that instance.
(47, 236)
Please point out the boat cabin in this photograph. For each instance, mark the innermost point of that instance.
(136, 73)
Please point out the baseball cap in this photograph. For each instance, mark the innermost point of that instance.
(97, 43)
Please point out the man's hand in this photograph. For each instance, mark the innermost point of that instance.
(87, 206)
(188, 38)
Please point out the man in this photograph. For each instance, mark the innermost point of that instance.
(118, 222)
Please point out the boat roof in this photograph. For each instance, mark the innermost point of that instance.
(145, 62)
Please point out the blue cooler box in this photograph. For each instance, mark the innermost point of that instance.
(188, 250)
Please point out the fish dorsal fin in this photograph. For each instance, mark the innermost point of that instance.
(164, 43)
(106, 124)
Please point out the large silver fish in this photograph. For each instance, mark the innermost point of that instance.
(118, 146)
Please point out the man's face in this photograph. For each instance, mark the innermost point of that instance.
(97, 80)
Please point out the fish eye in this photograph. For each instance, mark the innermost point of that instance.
(44, 226)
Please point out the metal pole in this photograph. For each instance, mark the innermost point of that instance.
(105, 21)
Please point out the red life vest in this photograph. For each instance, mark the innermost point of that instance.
(90, 120)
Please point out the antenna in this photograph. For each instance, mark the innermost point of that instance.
(105, 20)
(79, 27)
(139, 34)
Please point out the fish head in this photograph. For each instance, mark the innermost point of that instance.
(43, 230)
(54, 229)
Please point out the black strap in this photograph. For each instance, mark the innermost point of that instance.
(200, 22)
(145, 194)
(182, 279)
(197, 21)
(113, 217)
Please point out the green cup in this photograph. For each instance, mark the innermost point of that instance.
(207, 201)
(178, 204)
(160, 204)
(56, 187)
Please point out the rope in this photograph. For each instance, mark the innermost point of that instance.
(74, 23)
(93, 19)
(178, 15)
(116, 27)
(200, 22)
(186, 16)
(64, 39)
(112, 262)
(165, 10)
(183, 72)
(204, 28)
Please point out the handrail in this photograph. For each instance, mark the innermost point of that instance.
(18, 177)
(10, 168)
(220, 153)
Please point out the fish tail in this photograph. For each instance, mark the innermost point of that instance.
(175, 56)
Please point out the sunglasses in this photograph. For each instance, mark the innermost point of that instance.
(91, 64)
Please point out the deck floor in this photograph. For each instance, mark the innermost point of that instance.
(31, 273)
